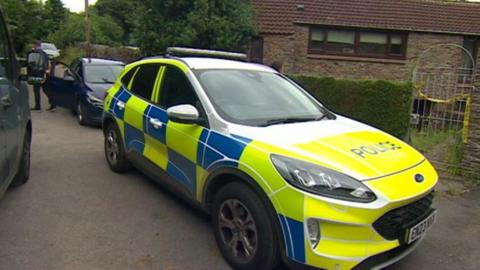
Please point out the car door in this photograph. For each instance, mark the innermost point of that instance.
(63, 86)
(184, 141)
(10, 141)
(4, 169)
(137, 105)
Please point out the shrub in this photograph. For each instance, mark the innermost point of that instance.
(382, 104)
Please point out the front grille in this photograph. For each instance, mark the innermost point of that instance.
(394, 224)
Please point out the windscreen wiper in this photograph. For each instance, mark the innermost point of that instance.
(288, 121)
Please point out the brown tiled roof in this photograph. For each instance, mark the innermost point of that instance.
(278, 16)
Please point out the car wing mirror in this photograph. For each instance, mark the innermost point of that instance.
(184, 114)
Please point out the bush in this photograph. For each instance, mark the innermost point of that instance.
(382, 104)
(71, 53)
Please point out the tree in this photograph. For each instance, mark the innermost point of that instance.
(121, 12)
(104, 31)
(55, 14)
(28, 20)
(214, 24)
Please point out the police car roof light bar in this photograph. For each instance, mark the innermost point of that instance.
(181, 51)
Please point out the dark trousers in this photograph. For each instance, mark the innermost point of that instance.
(36, 91)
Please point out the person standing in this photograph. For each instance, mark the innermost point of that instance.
(38, 69)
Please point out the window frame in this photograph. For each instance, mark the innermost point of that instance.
(136, 69)
(161, 94)
(356, 45)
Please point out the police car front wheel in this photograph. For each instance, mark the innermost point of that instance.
(243, 229)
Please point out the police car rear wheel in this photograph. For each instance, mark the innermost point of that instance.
(114, 151)
(243, 229)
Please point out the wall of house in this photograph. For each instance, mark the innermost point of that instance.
(292, 50)
(279, 48)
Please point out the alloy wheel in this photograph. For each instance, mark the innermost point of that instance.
(238, 230)
(112, 148)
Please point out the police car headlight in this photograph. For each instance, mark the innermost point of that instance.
(321, 181)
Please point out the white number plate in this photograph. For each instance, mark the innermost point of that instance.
(421, 228)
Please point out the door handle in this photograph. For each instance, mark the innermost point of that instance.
(121, 105)
(155, 123)
(6, 102)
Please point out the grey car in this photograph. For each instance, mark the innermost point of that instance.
(15, 121)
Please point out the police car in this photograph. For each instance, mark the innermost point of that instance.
(283, 178)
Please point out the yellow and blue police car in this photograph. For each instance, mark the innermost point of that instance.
(283, 178)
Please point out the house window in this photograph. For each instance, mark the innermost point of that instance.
(471, 45)
(357, 43)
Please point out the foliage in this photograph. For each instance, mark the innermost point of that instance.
(71, 53)
(121, 12)
(152, 25)
(104, 31)
(23, 31)
(54, 15)
(29, 20)
(382, 104)
(199, 23)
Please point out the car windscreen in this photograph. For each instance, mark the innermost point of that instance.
(257, 98)
(102, 73)
(48, 46)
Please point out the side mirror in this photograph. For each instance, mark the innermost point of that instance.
(184, 114)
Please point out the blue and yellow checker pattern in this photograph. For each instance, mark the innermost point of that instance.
(185, 152)
(189, 153)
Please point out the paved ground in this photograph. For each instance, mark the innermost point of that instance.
(76, 214)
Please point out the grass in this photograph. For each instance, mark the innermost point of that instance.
(426, 142)
(445, 147)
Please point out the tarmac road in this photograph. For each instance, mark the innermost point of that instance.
(77, 214)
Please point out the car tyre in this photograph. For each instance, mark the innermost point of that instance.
(243, 229)
(80, 114)
(114, 150)
(23, 173)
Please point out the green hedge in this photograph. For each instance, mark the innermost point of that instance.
(382, 104)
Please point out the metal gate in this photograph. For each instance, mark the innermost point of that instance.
(441, 108)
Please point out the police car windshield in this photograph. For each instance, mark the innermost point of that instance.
(258, 98)
(102, 73)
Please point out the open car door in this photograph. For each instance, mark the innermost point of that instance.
(63, 86)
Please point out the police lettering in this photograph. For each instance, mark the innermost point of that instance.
(375, 149)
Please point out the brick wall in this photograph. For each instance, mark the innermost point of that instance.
(292, 51)
(279, 48)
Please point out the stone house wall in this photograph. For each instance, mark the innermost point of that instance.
(292, 51)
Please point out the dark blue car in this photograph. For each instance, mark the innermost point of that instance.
(81, 87)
